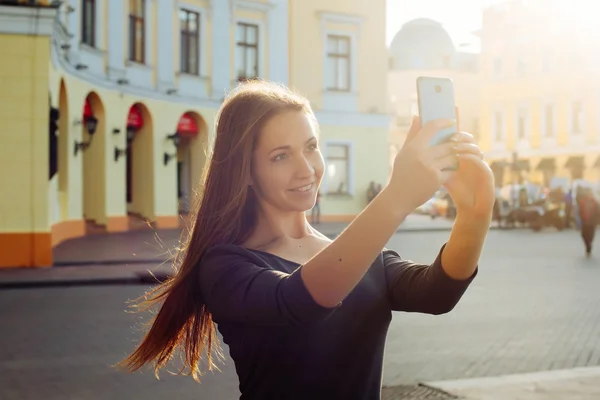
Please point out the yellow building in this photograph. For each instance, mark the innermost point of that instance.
(540, 91)
(133, 88)
(422, 47)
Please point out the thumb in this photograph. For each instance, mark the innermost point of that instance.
(415, 127)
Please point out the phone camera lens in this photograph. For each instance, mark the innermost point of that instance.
(438, 89)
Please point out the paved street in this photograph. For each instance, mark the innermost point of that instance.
(533, 307)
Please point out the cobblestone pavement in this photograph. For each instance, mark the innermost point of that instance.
(533, 307)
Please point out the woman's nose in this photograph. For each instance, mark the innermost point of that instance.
(304, 167)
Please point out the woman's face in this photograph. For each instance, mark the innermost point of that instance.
(287, 163)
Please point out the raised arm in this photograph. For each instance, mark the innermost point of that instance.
(422, 288)
(417, 174)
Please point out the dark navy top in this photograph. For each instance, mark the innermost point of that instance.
(286, 346)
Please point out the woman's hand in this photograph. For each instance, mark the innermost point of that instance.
(471, 186)
(417, 172)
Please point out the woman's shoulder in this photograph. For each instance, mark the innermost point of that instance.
(227, 251)
(232, 253)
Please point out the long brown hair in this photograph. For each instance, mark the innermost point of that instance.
(225, 212)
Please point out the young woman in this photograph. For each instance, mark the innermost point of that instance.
(306, 317)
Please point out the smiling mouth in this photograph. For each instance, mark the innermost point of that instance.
(303, 188)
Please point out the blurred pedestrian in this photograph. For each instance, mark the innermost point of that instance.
(588, 212)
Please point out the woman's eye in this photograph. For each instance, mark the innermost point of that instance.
(313, 147)
(280, 157)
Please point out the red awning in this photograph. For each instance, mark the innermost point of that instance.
(87, 109)
(134, 119)
(187, 125)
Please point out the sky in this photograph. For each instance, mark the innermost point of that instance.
(459, 17)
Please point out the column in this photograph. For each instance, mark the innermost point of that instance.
(117, 37)
(165, 60)
(278, 34)
(221, 46)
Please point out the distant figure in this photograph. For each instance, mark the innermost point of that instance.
(371, 192)
(315, 213)
(568, 199)
(588, 213)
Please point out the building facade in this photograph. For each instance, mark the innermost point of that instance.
(422, 47)
(540, 92)
(109, 122)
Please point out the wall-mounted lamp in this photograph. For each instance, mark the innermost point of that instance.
(119, 152)
(91, 124)
(130, 136)
(176, 141)
(65, 46)
(167, 157)
(171, 91)
(176, 138)
(122, 81)
(80, 67)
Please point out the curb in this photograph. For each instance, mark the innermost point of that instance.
(140, 278)
(109, 262)
(502, 380)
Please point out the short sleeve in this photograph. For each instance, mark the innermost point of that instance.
(422, 288)
(237, 288)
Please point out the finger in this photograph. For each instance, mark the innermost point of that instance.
(468, 148)
(442, 150)
(415, 127)
(449, 161)
(433, 127)
(447, 175)
(464, 137)
(457, 112)
(473, 159)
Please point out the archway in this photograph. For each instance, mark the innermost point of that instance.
(92, 150)
(190, 125)
(140, 162)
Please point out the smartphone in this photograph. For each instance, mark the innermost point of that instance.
(436, 100)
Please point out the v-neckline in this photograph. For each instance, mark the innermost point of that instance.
(272, 255)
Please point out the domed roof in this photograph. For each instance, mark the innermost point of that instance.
(421, 41)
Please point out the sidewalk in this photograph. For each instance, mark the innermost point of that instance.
(571, 384)
(127, 258)
(146, 246)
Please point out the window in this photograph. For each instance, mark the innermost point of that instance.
(497, 67)
(577, 117)
(88, 22)
(549, 120)
(338, 63)
(189, 28)
(338, 168)
(246, 58)
(521, 124)
(498, 126)
(136, 30)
